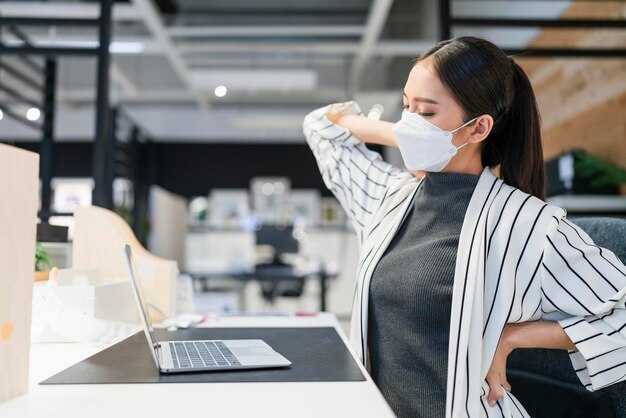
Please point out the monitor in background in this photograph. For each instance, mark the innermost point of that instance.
(280, 237)
(51, 233)
(220, 251)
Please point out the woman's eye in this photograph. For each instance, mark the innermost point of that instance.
(406, 107)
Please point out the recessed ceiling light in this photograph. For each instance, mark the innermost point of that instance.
(120, 47)
(33, 114)
(1, 115)
(220, 91)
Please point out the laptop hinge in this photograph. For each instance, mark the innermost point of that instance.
(159, 352)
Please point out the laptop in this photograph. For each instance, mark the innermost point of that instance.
(200, 356)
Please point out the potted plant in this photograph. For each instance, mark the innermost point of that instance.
(598, 174)
(42, 263)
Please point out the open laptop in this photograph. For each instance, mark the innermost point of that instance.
(206, 355)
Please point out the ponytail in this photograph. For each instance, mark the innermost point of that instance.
(521, 153)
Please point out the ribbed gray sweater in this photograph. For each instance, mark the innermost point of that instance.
(411, 296)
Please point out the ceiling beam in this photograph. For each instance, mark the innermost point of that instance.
(299, 48)
(239, 47)
(174, 97)
(248, 61)
(120, 78)
(373, 28)
(402, 48)
(153, 22)
(237, 31)
(80, 96)
(383, 48)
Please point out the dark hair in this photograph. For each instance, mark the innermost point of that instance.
(484, 80)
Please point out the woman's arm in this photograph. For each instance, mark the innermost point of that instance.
(588, 284)
(357, 176)
(584, 290)
(367, 130)
(536, 334)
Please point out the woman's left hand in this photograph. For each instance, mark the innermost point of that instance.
(496, 376)
(532, 334)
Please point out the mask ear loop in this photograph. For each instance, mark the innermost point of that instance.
(465, 124)
(466, 142)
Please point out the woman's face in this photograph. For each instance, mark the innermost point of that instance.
(426, 95)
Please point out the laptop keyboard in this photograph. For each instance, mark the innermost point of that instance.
(202, 354)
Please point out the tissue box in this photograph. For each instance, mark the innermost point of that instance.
(82, 306)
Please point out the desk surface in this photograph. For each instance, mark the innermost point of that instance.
(309, 399)
(590, 203)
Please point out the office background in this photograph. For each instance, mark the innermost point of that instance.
(202, 100)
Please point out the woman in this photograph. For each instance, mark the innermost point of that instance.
(457, 266)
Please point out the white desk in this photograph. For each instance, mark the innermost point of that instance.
(301, 399)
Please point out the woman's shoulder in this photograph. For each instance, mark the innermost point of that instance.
(518, 203)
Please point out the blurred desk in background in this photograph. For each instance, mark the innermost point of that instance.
(273, 276)
(591, 205)
(217, 253)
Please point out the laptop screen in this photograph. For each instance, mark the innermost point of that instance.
(140, 298)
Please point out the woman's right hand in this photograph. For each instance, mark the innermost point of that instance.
(366, 130)
(336, 118)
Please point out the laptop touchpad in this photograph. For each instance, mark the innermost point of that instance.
(253, 351)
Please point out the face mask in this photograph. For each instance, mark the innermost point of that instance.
(423, 145)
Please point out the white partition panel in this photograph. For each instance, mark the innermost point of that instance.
(168, 225)
(19, 190)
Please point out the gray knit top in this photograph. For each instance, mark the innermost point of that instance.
(410, 298)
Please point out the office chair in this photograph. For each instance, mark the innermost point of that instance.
(544, 380)
(99, 236)
(281, 239)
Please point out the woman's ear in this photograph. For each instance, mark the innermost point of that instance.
(480, 129)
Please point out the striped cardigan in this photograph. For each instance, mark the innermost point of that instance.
(519, 259)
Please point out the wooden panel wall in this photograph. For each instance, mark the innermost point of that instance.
(582, 100)
(19, 173)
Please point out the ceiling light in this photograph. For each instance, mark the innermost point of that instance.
(220, 91)
(119, 47)
(1, 115)
(33, 114)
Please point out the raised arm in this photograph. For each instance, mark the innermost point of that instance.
(357, 176)
(366, 130)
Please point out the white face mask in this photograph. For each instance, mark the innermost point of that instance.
(423, 145)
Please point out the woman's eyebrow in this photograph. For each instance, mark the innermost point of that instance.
(421, 99)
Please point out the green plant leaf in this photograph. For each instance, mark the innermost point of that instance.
(42, 260)
(599, 172)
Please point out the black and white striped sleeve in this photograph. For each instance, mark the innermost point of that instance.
(588, 284)
(357, 176)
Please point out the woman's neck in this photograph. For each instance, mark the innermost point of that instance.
(476, 171)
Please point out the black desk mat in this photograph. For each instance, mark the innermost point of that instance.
(317, 354)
